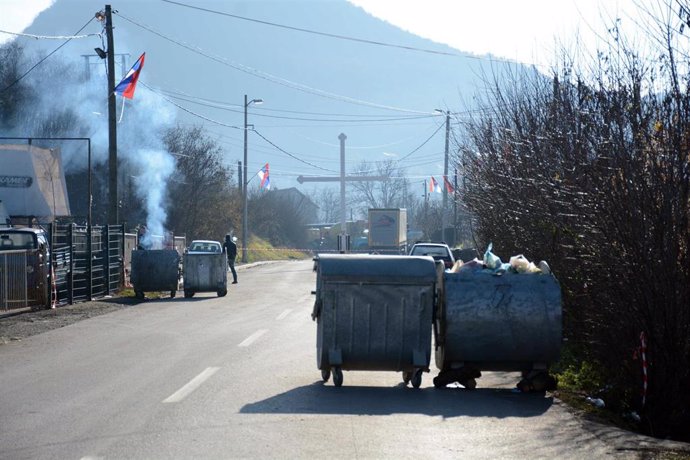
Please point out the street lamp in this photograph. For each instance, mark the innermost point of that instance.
(445, 174)
(246, 180)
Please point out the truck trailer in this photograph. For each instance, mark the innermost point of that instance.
(388, 230)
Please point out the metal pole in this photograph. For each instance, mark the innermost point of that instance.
(343, 210)
(112, 122)
(244, 188)
(445, 178)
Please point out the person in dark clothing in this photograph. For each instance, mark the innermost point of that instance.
(231, 251)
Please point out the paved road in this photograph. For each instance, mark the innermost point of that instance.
(235, 377)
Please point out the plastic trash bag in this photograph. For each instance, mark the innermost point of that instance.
(491, 260)
(520, 264)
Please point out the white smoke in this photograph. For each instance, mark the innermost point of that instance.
(68, 99)
(156, 167)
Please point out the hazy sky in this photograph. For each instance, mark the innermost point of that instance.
(524, 30)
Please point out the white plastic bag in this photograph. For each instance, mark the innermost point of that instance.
(520, 264)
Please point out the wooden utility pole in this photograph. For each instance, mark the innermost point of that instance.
(113, 217)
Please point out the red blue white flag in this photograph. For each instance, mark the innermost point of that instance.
(449, 186)
(434, 186)
(126, 87)
(265, 180)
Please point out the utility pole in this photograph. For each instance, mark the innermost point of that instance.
(445, 178)
(113, 217)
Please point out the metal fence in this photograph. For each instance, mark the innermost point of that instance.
(87, 265)
(84, 266)
(13, 280)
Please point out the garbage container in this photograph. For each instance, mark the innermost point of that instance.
(155, 270)
(205, 273)
(374, 313)
(511, 322)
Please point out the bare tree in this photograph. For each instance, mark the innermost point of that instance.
(390, 193)
(204, 202)
(590, 172)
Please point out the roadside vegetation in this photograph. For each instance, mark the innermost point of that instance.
(589, 169)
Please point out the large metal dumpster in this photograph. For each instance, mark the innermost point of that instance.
(205, 273)
(155, 270)
(510, 322)
(374, 313)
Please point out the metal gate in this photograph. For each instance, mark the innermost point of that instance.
(87, 265)
(13, 280)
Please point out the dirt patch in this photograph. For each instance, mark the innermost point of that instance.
(22, 325)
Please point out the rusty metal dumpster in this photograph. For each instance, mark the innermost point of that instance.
(205, 273)
(374, 313)
(155, 270)
(510, 322)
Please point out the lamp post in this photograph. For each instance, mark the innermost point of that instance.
(246, 180)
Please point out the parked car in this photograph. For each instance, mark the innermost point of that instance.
(439, 251)
(38, 265)
(205, 247)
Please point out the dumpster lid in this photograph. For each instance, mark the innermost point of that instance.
(422, 268)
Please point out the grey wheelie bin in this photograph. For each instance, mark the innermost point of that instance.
(205, 273)
(374, 313)
(155, 270)
(510, 322)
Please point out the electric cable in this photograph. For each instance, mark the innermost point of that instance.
(46, 57)
(270, 77)
(315, 32)
(291, 155)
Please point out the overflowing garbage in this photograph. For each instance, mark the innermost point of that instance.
(494, 265)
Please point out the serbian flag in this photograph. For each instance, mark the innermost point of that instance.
(265, 180)
(434, 186)
(449, 186)
(126, 87)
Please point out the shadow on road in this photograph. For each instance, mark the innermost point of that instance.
(320, 398)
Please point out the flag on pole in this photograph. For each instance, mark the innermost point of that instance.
(434, 186)
(449, 186)
(265, 180)
(126, 87)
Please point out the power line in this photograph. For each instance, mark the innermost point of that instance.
(291, 155)
(50, 37)
(422, 144)
(220, 107)
(220, 123)
(42, 60)
(273, 78)
(324, 34)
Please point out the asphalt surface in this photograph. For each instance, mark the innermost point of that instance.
(236, 377)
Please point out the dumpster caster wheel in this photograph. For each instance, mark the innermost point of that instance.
(173, 294)
(325, 374)
(188, 293)
(139, 295)
(337, 376)
(417, 378)
(222, 293)
(407, 376)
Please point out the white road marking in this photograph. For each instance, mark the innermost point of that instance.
(283, 314)
(252, 338)
(193, 384)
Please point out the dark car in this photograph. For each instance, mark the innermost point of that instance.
(439, 251)
(34, 242)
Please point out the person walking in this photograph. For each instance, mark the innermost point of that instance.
(231, 251)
